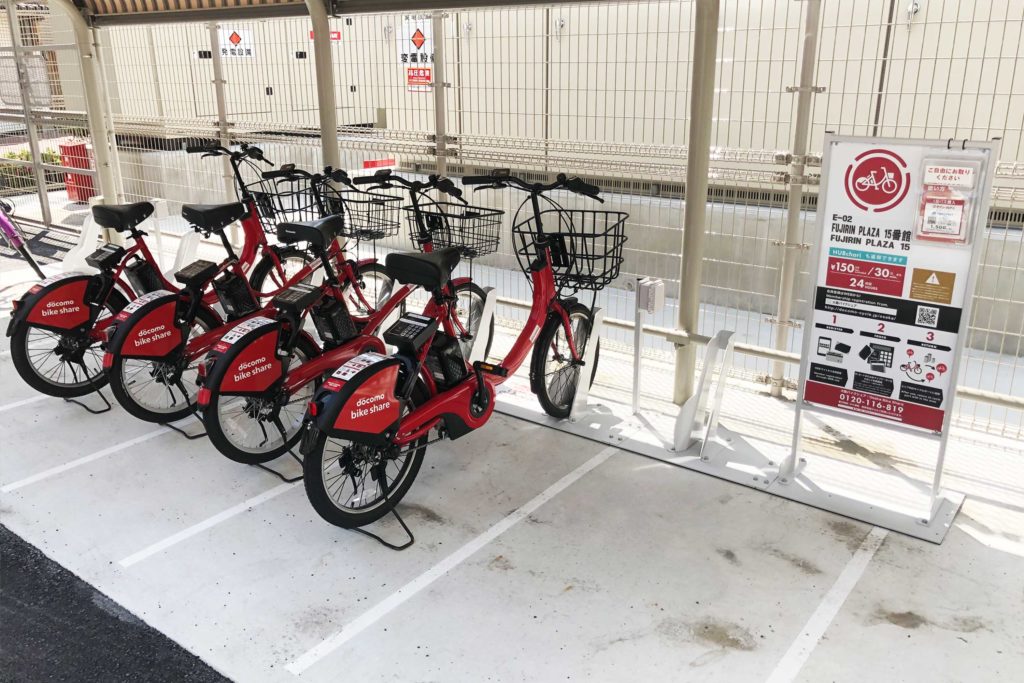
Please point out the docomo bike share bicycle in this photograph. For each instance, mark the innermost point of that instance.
(259, 377)
(57, 326)
(153, 354)
(369, 424)
(14, 238)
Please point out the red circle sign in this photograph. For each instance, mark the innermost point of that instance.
(877, 180)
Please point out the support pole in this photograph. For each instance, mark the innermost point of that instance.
(702, 96)
(92, 84)
(792, 247)
(219, 81)
(440, 103)
(325, 91)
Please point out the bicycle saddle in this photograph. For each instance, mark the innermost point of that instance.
(213, 217)
(431, 270)
(121, 217)
(318, 233)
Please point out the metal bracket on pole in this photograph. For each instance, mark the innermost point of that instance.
(579, 401)
(484, 329)
(695, 420)
(817, 89)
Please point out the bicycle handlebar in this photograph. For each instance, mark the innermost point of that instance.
(501, 178)
(384, 179)
(245, 151)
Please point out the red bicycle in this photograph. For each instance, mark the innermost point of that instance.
(368, 426)
(257, 380)
(157, 341)
(58, 326)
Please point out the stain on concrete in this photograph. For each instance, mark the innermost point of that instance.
(423, 512)
(847, 532)
(805, 566)
(500, 563)
(968, 625)
(907, 620)
(729, 555)
(719, 634)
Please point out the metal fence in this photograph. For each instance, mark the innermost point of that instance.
(602, 90)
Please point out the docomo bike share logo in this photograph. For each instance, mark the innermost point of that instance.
(877, 180)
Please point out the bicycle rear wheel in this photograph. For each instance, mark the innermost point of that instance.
(375, 287)
(351, 485)
(66, 365)
(554, 372)
(153, 390)
(245, 428)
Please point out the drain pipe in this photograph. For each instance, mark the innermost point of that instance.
(325, 91)
(698, 159)
(792, 245)
(99, 124)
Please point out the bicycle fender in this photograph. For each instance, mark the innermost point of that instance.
(146, 328)
(244, 361)
(365, 262)
(358, 402)
(57, 303)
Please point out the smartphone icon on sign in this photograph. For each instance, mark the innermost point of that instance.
(824, 345)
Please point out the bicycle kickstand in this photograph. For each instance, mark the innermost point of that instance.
(195, 413)
(284, 439)
(96, 390)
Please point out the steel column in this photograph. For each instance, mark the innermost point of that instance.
(702, 96)
(92, 84)
(26, 104)
(440, 104)
(325, 90)
(792, 246)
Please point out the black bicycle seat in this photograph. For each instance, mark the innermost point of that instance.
(121, 217)
(318, 233)
(431, 270)
(213, 217)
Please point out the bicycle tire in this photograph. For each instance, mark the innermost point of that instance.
(560, 406)
(23, 363)
(215, 430)
(319, 498)
(477, 291)
(116, 375)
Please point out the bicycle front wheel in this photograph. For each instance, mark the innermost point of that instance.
(554, 372)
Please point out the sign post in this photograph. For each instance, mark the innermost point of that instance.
(900, 227)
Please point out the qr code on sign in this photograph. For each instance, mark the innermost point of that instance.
(927, 316)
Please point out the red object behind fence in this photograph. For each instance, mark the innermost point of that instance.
(80, 186)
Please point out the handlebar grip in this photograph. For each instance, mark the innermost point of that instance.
(196, 149)
(271, 175)
(477, 180)
(339, 176)
(582, 187)
(365, 180)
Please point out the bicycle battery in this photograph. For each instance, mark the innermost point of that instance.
(296, 299)
(234, 296)
(333, 322)
(358, 402)
(143, 277)
(106, 257)
(445, 362)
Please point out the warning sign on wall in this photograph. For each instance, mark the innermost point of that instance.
(236, 43)
(888, 300)
(415, 40)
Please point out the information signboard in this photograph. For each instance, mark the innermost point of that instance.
(899, 229)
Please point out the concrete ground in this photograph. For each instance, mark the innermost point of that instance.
(539, 556)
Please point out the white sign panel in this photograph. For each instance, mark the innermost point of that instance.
(415, 44)
(237, 43)
(893, 279)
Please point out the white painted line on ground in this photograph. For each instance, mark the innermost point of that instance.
(798, 653)
(23, 402)
(202, 526)
(382, 608)
(46, 474)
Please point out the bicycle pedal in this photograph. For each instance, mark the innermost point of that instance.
(490, 369)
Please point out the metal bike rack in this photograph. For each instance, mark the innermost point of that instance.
(697, 420)
(579, 402)
(479, 350)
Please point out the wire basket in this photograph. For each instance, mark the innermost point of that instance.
(474, 230)
(586, 245)
(285, 200)
(368, 215)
